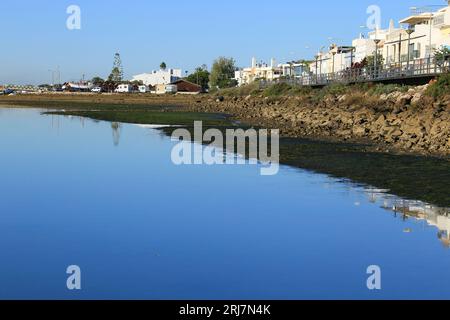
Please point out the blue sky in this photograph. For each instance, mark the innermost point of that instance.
(184, 34)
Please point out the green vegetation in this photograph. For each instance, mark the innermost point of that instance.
(117, 71)
(97, 81)
(441, 87)
(222, 73)
(149, 117)
(380, 89)
(252, 89)
(200, 77)
(430, 181)
(442, 55)
(163, 66)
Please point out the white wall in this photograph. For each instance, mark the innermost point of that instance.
(159, 77)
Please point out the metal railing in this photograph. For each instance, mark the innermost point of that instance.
(412, 69)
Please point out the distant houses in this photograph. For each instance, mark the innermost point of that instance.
(269, 72)
(162, 76)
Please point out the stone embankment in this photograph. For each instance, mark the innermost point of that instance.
(399, 121)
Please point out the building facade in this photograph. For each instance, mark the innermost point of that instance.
(430, 31)
(154, 78)
(269, 72)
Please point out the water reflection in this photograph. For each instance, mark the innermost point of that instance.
(356, 171)
(116, 130)
(434, 216)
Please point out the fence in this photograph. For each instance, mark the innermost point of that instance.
(413, 69)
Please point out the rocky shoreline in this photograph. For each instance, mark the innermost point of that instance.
(402, 122)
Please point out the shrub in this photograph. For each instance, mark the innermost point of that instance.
(249, 89)
(380, 89)
(336, 89)
(277, 90)
(440, 88)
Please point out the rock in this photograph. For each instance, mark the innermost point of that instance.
(404, 99)
(360, 131)
(416, 97)
(220, 99)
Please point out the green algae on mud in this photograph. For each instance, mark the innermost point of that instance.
(407, 176)
(148, 116)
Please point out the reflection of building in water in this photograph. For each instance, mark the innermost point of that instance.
(434, 216)
(115, 126)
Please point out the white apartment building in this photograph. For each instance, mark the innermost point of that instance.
(154, 78)
(258, 71)
(338, 58)
(269, 72)
(431, 31)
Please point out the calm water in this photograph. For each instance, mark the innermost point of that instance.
(78, 192)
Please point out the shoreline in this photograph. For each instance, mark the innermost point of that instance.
(391, 123)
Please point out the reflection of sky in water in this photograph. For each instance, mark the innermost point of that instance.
(109, 199)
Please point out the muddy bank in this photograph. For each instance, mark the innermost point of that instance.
(397, 122)
(404, 122)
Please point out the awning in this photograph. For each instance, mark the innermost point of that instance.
(417, 19)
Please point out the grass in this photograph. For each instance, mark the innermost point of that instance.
(440, 88)
(380, 89)
(243, 91)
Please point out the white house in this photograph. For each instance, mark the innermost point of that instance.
(154, 78)
(269, 72)
(431, 31)
(338, 58)
(258, 71)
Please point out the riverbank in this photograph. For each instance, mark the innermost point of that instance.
(388, 119)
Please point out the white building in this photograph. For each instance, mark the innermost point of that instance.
(269, 72)
(338, 58)
(154, 78)
(431, 31)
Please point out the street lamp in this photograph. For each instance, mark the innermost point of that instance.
(409, 31)
(317, 66)
(375, 63)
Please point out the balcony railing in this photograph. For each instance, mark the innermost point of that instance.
(399, 71)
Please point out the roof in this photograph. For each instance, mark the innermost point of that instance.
(418, 18)
(183, 80)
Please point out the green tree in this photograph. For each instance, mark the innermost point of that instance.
(442, 55)
(117, 71)
(222, 73)
(369, 62)
(97, 81)
(163, 66)
(200, 76)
